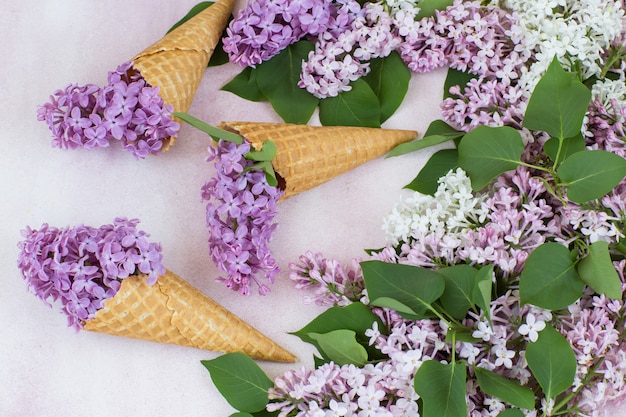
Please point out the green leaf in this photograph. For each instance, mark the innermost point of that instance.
(213, 131)
(597, 270)
(558, 103)
(486, 152)
(266, 153)
(591, 174)
(569, 146)
(552, 361)
(442, 388)
(482, 291)
(396, 305)
(428, 7)
(245, 86)
(417, 288)
(341, 347)
(389, 79)
(511, 412)
(278, 78)
(357, 107)
(438, 165)
(356, 317)
(457, 298)
(416, 145)
(506, 389)
(240, 381)
(240, 414)
(549, 279)
(455, 77)
(441, 128)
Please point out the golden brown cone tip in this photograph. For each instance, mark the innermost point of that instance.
(307, 156)
(173, 311)
(177, 62)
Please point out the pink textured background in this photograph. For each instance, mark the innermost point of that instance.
(48, 370)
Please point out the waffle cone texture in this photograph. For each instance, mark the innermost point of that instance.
(173, 311)
(177, 61)
(307, 156)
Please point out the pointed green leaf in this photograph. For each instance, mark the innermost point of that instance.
(441, 128)
(356, 316)
(341, 347)
(212, 131)
(415, 287)
(597, 270)
(438, 165)
(558, 103)
(266, 153)
(357, 107)
(240, 414)
(591, 174)
(486, 152)
(457, 298)
(506, 389)
(549, 279)
(511, 412)
(455, 77)
(389, 79)
(552, 362)
(569, 147)
(393, 304)
(245, 86)
(278, 79)
(482, 291)
(240, 381)
(416, 145)
(442, 389)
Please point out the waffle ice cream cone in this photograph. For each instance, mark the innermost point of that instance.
(307, 156)
(173, 311)
(177, 61)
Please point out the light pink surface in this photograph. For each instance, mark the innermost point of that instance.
(48, 370)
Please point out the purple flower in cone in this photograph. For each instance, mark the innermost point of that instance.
(81, 267)
(127, 109)
(240, 211)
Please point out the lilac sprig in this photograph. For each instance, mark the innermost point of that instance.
(240, 211)
(127, 109)
(81, 267)
(264, 28)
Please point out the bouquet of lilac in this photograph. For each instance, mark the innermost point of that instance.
(500, 290)
(82, 267)
(240, 211)
(127, 109)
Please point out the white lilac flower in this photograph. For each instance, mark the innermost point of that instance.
(453, 209)
(532, 327)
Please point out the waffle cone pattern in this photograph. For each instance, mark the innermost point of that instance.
(307, 156)
(173, 311)
(177, 61)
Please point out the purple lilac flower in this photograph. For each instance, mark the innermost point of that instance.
(332, 283)
(127, 109)
(265, 27)
(340, 59)
(81, 267)
(240, 210)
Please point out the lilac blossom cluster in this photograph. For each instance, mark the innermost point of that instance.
(592, 325)
(240, 210)
(81, 267)
(485, 41)
(127, 109)
(264, 28)
(342, 58)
